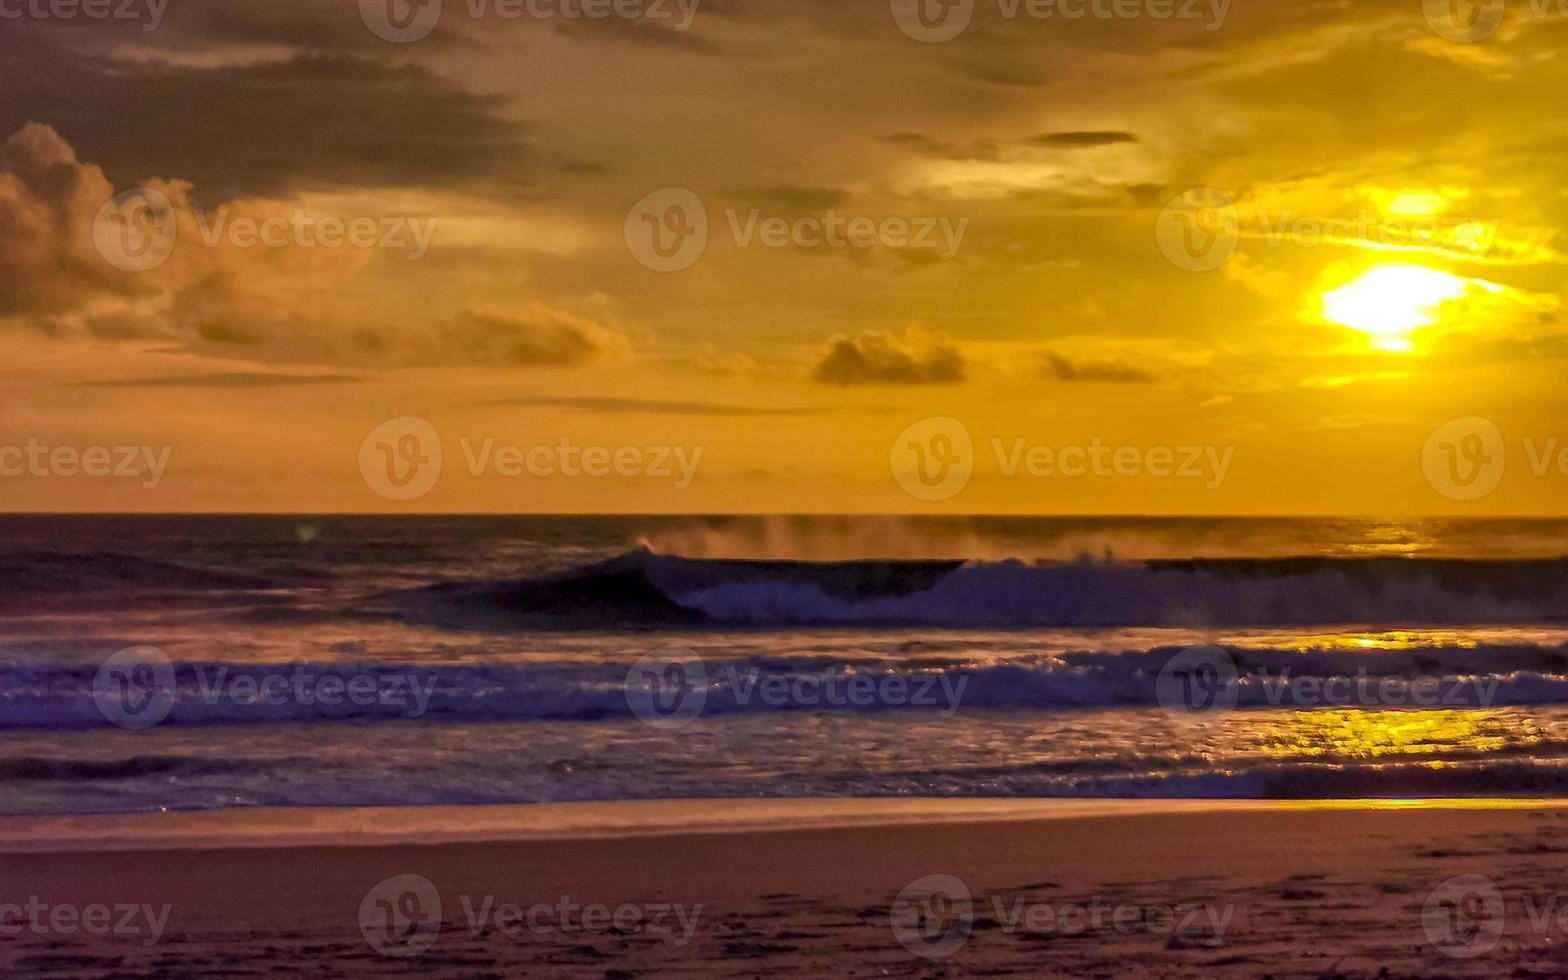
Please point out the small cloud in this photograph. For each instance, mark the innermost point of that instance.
(877, 357)
(1083, 372)
(639, 31)
(919, 141)
(538, 336)
(233, 380)
(644, 406)
(1083, 138)
(709, 359)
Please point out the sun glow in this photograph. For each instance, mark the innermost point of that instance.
(1390, 302)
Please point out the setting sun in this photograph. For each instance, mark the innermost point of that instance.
(1390, 302)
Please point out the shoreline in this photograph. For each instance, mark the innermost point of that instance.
(316, 827)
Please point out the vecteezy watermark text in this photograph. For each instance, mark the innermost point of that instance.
(934, 459)
(137, 230)
(144, 463)
(1201, 229)
(566, 458)
(1204, 682)
(302, 230)
(401, 917)
(1472, 235)
(568, 917)
(149, 12)
(668, 230)
(403, 459)
(137, 688)
(404, 21)
(934, 916)
(935, 21)
(36, 917)
(671, 688)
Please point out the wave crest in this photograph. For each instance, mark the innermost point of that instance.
(644, 590)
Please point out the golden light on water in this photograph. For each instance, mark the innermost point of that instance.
(1364, 734)
(1391, 302)
(1371, 640)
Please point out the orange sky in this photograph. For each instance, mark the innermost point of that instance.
(738, 258)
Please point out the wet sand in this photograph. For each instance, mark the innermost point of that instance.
(795, 888)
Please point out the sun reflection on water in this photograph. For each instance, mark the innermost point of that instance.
(1364, 734)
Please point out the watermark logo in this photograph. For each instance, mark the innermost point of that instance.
(667, 689)
(401, 916)
(933, 459)
(1464, 916)
(933, 916)
(667, 231)
(401, 21)
(1465, 459)
(135, 688)
(1198, 683)
(135, 230)
(401, 458)
(1463, 21)
(1199, 230)
(932, 21)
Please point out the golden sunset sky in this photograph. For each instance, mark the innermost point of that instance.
(1392, 261)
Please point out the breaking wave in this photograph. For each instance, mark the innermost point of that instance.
(644, 590)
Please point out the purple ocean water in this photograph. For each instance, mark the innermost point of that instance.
(205, 662)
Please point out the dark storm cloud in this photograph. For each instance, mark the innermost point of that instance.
(312, 26)
(299, 25)
(313, 121)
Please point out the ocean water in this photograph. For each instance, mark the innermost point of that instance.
(201, 662)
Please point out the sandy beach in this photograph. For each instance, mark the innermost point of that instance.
(801, 888)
